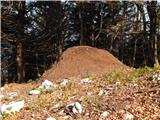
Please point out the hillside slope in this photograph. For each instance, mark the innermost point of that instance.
(116, 96)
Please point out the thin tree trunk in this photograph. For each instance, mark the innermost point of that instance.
(144, 36)
(92, 36)
(153, 35)
(156, 50)
(101, 22)
(19, 45)
(135, 51)
(81, 24)
(61, 44)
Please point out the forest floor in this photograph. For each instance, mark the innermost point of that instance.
(113, 96)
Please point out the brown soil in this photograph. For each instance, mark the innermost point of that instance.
(83, 61)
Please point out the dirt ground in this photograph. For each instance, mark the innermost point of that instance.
(133, 92)
(84, 61)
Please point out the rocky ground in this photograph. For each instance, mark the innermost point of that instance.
(132, 95)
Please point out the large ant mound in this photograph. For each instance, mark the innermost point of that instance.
(83, 61)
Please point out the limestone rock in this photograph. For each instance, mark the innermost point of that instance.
(104, 115)
(47, 84)
(128, 116)
(64, 82)
(11, 95)
(34, 92)
(12, 107)
(86, 80)
(74, 108)
(50, 118)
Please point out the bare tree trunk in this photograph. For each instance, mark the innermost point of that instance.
(92, 36)
(156, 50)
(135, 51)
(153, 21)
(145, 35)
(148, 59)
(61, 44)
(19, 45)
(81, 24)
(101, 22)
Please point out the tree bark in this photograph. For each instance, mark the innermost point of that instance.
(101, 22)
(153, 21)
(19, 42)
(81, 24)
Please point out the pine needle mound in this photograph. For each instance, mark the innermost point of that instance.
(83, 61)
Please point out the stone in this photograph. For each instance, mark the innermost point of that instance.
(1, 115)
(12, 107)
(75, 108)
(11, 95)
(89, 93)
(47, 84)
(56, 106)
(50, 118)
(1, 96)
(86, 80)
(118, 83)
(64, 82)
(105, 114)
(156, 76)
(132, 85)
(128, 116)
(34, 92)
(2, 89)
(105, 91)
(101, 92)
(67, 117)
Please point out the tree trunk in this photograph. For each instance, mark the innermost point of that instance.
(19, 45)
(101, 22)
(156, 50)
(153, 36)
(81, 24)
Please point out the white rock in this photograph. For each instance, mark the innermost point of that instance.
(12, 107)
(156, 76)
(86, 80)
(50, 118)
(47, 84)
(132, 85)
(2, 88)
(55, 86)
(67, 117)
(64, 82)
(74, 110)
(75, 107)
(1, 96)
(105, 114)
(78, 107)
(34, 92)
(89, 93)
(11, 95)
(56, 106)
(0, 116)
(101, 92)
(128, 116)
(118, 83)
